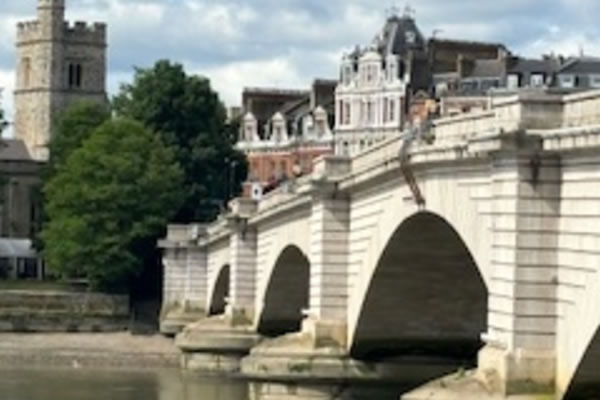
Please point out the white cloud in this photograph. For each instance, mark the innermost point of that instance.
(230, 79)
(563, 43)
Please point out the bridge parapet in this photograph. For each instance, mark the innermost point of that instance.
(184, 233)
(582, 109)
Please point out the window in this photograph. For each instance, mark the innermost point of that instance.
(369, 74)
(392, 71)
(369, 112)
(26, 71)
(392, 111)
(278, 133)
(537, 80)
(595, 81)
(249, 133)
(567, 81)
(347, 113)
(347, 75)
(341, 113)
(512, 81)
(385, 110)
(75, 75)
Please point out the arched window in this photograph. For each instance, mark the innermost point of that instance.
(26, 71)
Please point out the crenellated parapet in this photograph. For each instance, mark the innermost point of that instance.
(88, 33)
(28, 31)
(74, 32)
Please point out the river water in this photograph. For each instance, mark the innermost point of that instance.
(116, 385)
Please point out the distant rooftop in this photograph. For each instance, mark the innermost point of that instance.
(13, 150)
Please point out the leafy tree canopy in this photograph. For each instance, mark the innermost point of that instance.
(118, 189)
(190, 118)
(75, 125)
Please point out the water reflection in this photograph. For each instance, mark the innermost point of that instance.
(104, 385)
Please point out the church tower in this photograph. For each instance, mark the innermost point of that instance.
(57, 64)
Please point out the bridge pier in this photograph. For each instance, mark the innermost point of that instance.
(212, 344)
(184, 281)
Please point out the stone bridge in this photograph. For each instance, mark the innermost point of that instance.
(500, 262)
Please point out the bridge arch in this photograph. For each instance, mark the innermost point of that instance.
(285, 294)
(416, 295)
(219, 291)
(578, 345)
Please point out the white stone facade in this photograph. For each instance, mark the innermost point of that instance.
(375, 82)
(369, 102)
(57, 64)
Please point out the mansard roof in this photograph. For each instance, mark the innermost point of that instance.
(581, 65)
(401, 35)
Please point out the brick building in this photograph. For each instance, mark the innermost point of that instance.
(283, 131)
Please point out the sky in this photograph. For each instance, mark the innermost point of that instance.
(288, 43)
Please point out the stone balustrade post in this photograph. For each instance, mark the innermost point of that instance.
(243, 244)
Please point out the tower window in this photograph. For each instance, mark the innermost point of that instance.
(26, 71)
(75, 75)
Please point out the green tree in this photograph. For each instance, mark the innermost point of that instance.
(72, 128)
(189, 116)
(109, 200)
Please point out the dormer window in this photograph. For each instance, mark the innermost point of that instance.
(369, 74)
(567, 81)
(513, 81)
(278, 134)
(410, 37)
(537, 80)
(347, 75)
(595, 81)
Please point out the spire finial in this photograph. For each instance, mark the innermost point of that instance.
(392, 11)
(409, 12)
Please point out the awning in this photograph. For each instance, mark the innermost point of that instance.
(16, 248)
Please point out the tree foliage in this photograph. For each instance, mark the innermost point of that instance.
(70, 130)
(73, 127)
(112, 195)
(190, 118)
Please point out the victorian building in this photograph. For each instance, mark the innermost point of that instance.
(283, 131)
(375, 83)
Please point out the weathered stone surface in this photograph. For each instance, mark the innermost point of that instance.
(58, 64)
(215, 345)
(41, 311)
